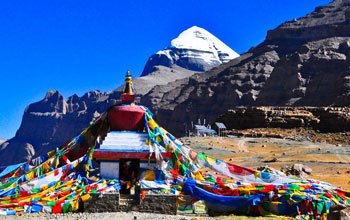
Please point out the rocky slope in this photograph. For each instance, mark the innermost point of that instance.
(161, 76)
(2, 140)
(194, 49)
(302, 62)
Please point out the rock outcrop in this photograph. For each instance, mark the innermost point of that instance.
(194, 49)
(299, 170)
(304, 62)
(324, 119)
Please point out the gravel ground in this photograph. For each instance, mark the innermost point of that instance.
(329, 162)
(102, 216)
(130, 216)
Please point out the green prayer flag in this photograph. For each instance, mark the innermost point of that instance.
(35, 190)
(51, 203)
(201, 156)
(66, 207)
(294, 187)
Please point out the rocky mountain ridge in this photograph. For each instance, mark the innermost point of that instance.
(51, 122)
(304, 62)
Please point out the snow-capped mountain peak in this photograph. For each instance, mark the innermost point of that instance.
(197, 38)
(194, 49)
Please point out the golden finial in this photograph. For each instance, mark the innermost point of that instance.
(128, 96)
(128, 84)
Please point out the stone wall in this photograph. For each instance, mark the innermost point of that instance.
(114, 202)
(324, 119)
(104, 202)
(164, 204)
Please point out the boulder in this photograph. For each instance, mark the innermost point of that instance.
(339, 212)
(298, 170)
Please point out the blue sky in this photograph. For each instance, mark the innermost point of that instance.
(75, 46)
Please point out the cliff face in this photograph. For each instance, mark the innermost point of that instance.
(302, 62)
(324, 22)
(51, 122)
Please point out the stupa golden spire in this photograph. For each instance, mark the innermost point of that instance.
(128, 96)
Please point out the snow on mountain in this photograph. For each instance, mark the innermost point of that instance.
(196, 38)
(194, 49)
(2, 140)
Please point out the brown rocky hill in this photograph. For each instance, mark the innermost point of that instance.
(49, 123)
(301, 62)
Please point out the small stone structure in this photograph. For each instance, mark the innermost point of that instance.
(114, 202)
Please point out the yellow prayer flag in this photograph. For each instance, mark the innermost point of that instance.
(257, 174)
(51, 153)
(30, 175)
(85, 197)
(152, 124)
(177, 164)
(210, 160)
(198, 176)
(128, 184)
(46, 167)
(75, 205)
(150, 175)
